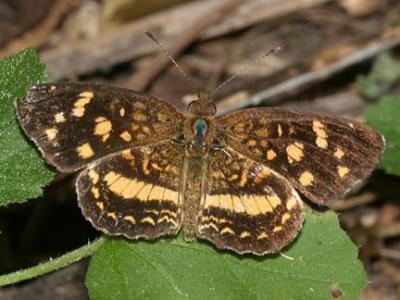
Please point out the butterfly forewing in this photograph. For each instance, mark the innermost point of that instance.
(136, 192)
(76, 123)
(322, 156)
(248, 207)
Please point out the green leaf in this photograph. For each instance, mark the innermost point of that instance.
(322, 256)
(22, 171)
(384, 117)
(384, 74)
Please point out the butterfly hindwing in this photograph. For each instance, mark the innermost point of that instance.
(322, 156)
(247, 207)
(74, 124)
(136, 192)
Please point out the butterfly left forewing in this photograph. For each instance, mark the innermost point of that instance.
(322, 156)
(247, 207)
(74, 124)
(135, 192)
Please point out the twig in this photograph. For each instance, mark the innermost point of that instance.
(52, 264)
(390, 253)
(128, 42)
(312, 77)
(191, 33)
(389, 230)
(37, 35)
(351, 202)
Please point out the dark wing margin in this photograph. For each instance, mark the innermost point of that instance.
(248, 207)
(76, 123)
(322, 156)
(136, 192)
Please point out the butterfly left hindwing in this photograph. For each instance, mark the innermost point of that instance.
(136, 192)
(247, 207)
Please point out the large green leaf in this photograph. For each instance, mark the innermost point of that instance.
(322, 256)
(22, 171)
(384, 117)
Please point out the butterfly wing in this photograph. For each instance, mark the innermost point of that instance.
(76, 123)
(322, 156)
(135, 192)
(247, 207)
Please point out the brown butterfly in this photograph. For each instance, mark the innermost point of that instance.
(147, 170)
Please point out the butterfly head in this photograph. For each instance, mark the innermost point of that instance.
(199, 128)
(202, 107)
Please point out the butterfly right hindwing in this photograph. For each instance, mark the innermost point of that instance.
(248, 207)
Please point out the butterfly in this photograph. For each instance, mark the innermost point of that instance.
(148, 170)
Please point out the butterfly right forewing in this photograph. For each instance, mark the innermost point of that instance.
(322, 156)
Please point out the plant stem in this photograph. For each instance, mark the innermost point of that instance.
(52, 264)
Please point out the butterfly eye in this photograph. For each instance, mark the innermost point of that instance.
(212, 108)
(193, 107)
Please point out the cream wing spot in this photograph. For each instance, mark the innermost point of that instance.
(79, 105)
(291, 203)
(78, 112)
(285, 217)
(94, 176)
(144, 193)
(51, 133)
(277, 229)
(319, 130)
(244, 234)
(306, 178)
(149, 220)
(263, 204)
(86, 95)
(338, 153)
(212, 201)
(321, 142)
(226, 202)
(238, 204)
(103, 128)
(130, 219)
(170, 195)
(295, 152)
(280, 132)
(262, 236)
(126, 136)
(342, 171)
(85, 150)
(274, 200)
(119, 186)
(59, 117)
(250, 205)
(95, 192)
(227, 230)
(271, 154)
(132, 189)
(156, 193)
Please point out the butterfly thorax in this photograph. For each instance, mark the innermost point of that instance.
(199, 132)
(199, 126)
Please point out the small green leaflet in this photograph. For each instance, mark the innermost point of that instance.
(23, 172)
(384, 117)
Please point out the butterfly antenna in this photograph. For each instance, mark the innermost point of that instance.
(165, 51)
(245, 69)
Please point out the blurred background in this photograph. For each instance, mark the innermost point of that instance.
(336, 56)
